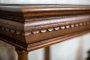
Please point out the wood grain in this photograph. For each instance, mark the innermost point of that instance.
(36, 26)
(22, 55)
(47, 53)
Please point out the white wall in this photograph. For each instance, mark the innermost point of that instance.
(73, 49)
(84, 2)
(7, 52)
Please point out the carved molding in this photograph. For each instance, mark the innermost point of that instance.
(30, 27)
(62, 27)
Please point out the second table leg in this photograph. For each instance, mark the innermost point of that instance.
(47, 53)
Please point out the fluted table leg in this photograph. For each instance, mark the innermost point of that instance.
(22, 55)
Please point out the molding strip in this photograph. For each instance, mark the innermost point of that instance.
(30, 27)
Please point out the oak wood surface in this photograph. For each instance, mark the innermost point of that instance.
(47, 53)
(35, 26)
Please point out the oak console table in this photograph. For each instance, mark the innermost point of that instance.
(30, 27)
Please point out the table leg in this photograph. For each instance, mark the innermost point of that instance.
(47, 53)
(88, 58)
(22, 55)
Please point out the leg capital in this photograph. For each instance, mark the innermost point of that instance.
(22, 55)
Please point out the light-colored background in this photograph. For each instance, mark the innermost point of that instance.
(84, 2)
(73, 49)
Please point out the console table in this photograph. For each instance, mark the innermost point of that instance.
(30, 27)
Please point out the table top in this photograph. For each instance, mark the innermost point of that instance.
(36, 26)
(41, 7)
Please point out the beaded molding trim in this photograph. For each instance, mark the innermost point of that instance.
(46, 30)
(11, 30)
(59, 28)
